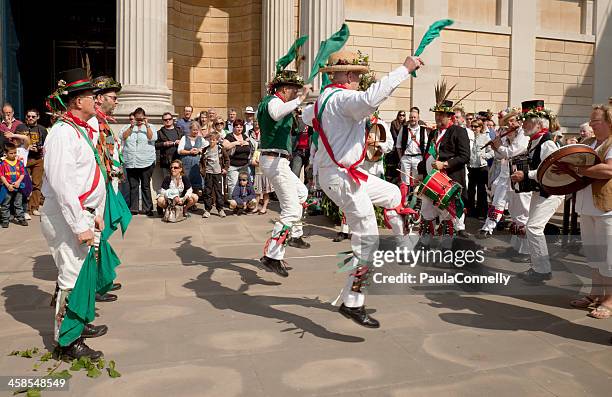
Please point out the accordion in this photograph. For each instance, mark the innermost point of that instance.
(521, 163)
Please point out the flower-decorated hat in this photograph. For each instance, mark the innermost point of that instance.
(535, 108)
(284, 76)
(104, 84)
(70, 83)
(346, 61)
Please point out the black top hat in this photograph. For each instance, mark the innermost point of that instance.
(74, 80)
(104, 84)
(445, 106)
(536, 104)
(535, 108)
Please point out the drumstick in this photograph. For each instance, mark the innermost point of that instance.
(409, 176)
(501, 136)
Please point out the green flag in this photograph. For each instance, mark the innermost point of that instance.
(328, 47)
(432, 33)
(292, 54)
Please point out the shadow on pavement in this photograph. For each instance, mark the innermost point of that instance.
(44, 268)
(224, 298)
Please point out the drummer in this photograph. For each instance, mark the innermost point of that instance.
(536, 123)
(448, 151)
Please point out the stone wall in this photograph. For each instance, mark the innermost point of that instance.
(477, 61)
(214, 53)
(564, 79)
(387, 47)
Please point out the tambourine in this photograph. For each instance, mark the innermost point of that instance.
(566, 183)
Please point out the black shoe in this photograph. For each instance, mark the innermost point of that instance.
(94, 331)
(106, 298)
(531, 276)
(341, 236)
(521, 258)
(78, 349)
(298, 242)
(483, 235)
(116, 286)
(150, 214)
(274, 265)
(464, 234)
(22, 222)
(5, 225)
(359, 315)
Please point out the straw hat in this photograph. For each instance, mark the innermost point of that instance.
(345, 61)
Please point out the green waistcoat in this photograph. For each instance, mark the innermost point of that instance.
(274, 134)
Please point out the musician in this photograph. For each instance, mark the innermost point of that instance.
(536, 123)
(448, 151)
(341, 113)
(410, 147)
(594, 203)
(512, 145)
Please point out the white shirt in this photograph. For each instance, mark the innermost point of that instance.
(478, 156)
(516, 147)
(345, 115)
(547, 148)
(279, 109)
(413, 141)
(182, 142)
(70, 167)
(584, 197)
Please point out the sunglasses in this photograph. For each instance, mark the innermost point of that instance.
(30, 116)
(219, 123)
(403, 115)
(167, 119)
(476, 126)
(175, 168)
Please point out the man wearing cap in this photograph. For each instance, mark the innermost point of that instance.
(340, 116)
(276, 120)
(249, 118)
(537, 121)
(75, 194)
(448, 151)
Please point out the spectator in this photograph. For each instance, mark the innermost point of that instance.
(490, 128)
(176, 187)
(586, 131)
(214, 164)
(204, 131)
(168, 138)
(12, 173)
(139, 158)
(219, 127)
(301, 148)
(249, 118)
(261, 185)
(231, 118)
(477, 171)
(184, 123)
(418, 111)
(239, 150)
(469, 117)
(243, 195)
(212, 114)
(392, 159)
(37, 135)
(124, 185)
(190, 149)
(8, 127)
(571, 140)
(202, 118)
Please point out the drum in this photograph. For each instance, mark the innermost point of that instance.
(439, 188)
(521, 163)
(574, 155)
(377, 132)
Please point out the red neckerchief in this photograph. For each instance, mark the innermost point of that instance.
(104, 116)
(90, 130)
(355, 174)
(443, 132)
(276, 94)
(336, 85)
(538, 134)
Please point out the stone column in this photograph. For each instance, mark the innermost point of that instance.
(276, 35)
(523, 21)
(319, 20)
(425, 13)
(602, 57)
(142, 57)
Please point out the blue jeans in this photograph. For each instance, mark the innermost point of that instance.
(17, 198)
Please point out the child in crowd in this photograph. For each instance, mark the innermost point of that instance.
(262, 186)
(214, 164)
(12, 173)
(243, 196)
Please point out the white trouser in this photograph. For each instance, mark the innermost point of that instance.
(408, 165)
(596, 232)
(357, 203)
(64, 246)
(500, 196)
(291, 193)
(375, 168)
(518, 207)
(540, 211)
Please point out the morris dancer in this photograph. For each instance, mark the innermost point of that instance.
(537, 121)
(276, 120)
(339, 116)
(447, 150)
(74, 194)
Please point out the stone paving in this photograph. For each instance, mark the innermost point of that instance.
(198, 317)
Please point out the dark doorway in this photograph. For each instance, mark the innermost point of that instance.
(56, 36)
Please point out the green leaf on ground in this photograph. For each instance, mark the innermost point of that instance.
(112, 372)
(65, 374)
(33, 393)
(101, 363)
(46, 357)
(93, 372)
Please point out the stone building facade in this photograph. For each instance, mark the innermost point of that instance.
(221, 53)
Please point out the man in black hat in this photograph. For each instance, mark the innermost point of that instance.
(75, 194)
(536, 123)
(448, 151)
